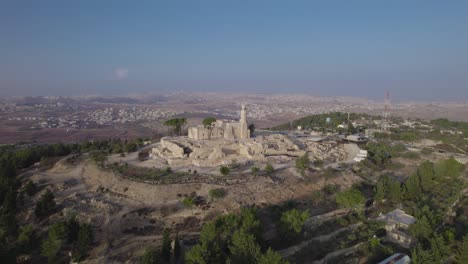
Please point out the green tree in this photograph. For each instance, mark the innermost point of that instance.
(117, 148)
(271, 257)
(421, 229)
(51, 247)
(177, 248)
(448, 168)
(166, 245)
(269, 168)
(56, 235)
(99, 157)
(426, 175)
(294, 220)
(351, 198)
(244, 248)
(379, 191)
(351, 128)
(46, 204)
(25, 237)
(198, 254)
(462, 256)
(208, 124)
(303, 163)
(177, 124)
(83, 243)
(149, 256)
(420, 256)
(413, 188)
(30, 188)
(394, 191)
(224, 170)
(131, 147)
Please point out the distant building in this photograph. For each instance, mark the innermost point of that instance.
(222, 130)
(397, 223)
(398, 258)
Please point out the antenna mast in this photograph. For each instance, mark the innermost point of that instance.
(386, 113)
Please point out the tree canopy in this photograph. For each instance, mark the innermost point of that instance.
(351, 198)
(294, 219)
(177, 124)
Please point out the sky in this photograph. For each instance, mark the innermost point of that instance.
(416, 50)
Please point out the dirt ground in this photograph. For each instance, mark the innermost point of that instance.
(128, 215)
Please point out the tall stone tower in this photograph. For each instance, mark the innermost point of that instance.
(244, 133)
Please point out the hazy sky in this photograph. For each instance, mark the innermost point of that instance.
(414, 49)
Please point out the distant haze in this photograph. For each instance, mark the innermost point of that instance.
(417, 50)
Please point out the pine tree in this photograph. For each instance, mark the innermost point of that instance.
(462, 256)
(177, 247)
(394, 191)
(150, 256)
(166, 245)
(271, 257)
(426, 175)
(413, 188)
(379, 191)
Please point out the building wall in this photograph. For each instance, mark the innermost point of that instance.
(200, 133)
(234, 130)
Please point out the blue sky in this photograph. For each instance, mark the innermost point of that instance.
(415, 49)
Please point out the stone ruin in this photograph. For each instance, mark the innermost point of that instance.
(184, 151)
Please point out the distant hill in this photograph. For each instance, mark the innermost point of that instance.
(320, 120)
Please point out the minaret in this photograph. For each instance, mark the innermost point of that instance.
(244, 133)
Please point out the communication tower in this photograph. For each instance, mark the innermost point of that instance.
(386, 113)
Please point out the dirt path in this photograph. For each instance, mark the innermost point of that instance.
(319, 219)
(352, 150)
(322, 238)
(337, 253)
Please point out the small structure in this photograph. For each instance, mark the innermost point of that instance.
(397, 258)
(222, 130)
(396, 225)
(356, 138)
(362, 155)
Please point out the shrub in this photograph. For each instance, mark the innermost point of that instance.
(269, 168)
(318, 163)
(303, 163)
(224, 170)
(330, 189)
(188, 201)
(255, 170)
(217, 193)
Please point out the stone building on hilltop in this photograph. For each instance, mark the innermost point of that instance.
(222, 130)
